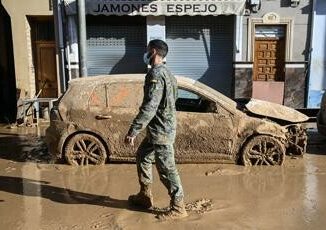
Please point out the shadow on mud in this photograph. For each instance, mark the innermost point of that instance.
(43, 189)
(24, 147)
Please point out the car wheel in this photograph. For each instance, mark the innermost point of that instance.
(83, 149)
(263, 150)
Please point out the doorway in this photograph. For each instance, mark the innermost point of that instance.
(44, 56)
(269, 63)
(7, 70)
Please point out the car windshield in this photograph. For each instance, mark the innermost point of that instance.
(215, 93)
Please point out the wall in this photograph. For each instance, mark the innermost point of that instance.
(18, 11)
(301, 32)
(317, 78)
(297, 55)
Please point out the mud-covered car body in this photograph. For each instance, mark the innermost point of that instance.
(321, 117)
(210, 126)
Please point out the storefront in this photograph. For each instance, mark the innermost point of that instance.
(115, 44)
(200, 35)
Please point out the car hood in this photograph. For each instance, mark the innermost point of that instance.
(273, 110)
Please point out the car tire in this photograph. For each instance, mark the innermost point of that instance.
(263, 150)
(84, 149)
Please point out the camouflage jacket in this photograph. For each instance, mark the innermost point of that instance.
(157, 112)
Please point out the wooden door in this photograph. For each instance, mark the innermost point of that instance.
(46, 69)
(269, 61)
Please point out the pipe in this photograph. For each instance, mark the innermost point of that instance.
(59, 37)
(82, 38)
(68, 61)
(308, 70)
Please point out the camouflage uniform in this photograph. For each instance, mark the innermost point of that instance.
(158, 114)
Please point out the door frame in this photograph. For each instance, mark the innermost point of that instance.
(272, 19)
(32, 43)
(50, 44)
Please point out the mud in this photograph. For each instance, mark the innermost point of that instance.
(200, 206)
(35, 194)
(24, 144)
(222, 170)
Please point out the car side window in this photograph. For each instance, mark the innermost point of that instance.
(98, 97)
(189, 101)
(125, 95)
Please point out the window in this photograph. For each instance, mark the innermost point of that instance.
(125, 95)
(98, 97)
(188, 101)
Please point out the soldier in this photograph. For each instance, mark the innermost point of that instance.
(158, 114)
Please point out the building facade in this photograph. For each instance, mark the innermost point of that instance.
(268, 49)
(273, 61)
(30, 29)
(200, 35)
(242, 48)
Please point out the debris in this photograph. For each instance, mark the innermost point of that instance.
(36, 151)
(12, 126)
(10, 169)
(218, 170)
(200, 206)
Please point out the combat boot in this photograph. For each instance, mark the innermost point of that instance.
(143, 199)
(177, 210)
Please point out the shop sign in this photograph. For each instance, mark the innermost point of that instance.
(162, 7)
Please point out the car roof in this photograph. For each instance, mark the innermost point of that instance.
(183, 82)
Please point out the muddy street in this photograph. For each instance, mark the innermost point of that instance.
(35, 193)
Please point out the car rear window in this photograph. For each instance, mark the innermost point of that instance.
(125, 95)
(98, 97)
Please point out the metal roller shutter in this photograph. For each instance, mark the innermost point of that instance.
(201, 47)
(116, 44)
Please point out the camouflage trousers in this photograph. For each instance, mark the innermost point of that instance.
(163, 155)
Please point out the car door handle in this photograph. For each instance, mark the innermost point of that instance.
(102, 117)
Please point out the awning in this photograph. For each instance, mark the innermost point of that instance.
(159, 7)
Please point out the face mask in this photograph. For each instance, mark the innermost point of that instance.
(147, 58)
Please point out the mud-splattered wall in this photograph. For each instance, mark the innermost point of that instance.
(295, 86)
(242, 80)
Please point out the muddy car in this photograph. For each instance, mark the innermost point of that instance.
(89, 123)
(321, 117)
